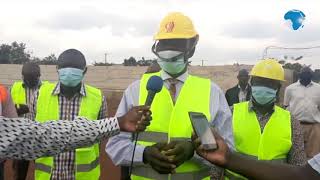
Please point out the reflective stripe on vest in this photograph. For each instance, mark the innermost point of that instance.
(273, 144)
(87, 159)
(229, 175)
(171, 122)
(18, 93)
(80, 167)
(157, 137)
(148, 172)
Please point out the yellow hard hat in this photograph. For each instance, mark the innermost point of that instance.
(268, 68)
(176, 26)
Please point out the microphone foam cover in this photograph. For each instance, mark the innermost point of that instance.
(155, 84)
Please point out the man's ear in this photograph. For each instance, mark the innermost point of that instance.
(85, 70)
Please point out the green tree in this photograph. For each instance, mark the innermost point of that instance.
(102, 64)
(49, 60)
(130, 62)
(18, 54)
(5, 54)
(14, 54)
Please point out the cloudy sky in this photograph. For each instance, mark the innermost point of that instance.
(230, 30)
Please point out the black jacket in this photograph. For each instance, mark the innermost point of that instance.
(232, 95)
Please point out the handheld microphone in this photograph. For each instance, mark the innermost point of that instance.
(154, 85)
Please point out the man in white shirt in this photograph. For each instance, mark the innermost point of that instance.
(302, 99)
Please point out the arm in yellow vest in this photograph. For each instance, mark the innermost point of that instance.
(254, 169)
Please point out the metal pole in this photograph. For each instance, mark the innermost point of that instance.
(105, 58)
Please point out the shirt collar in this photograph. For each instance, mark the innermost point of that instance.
(251, 107)
(182, 78)
(56, 90)
(310, 84)
(245, 88)
(38, 86)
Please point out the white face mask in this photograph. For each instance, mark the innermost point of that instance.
(169, 54)
(172, 67)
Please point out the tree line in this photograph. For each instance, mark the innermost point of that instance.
(16, 53)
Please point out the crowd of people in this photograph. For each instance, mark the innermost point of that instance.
(60, 124)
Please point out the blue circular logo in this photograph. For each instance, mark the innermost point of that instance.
(295, 18)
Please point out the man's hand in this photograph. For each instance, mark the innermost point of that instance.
(219, 156)
(158, 161)
(179, 151)
(22, 109)
(137, 119)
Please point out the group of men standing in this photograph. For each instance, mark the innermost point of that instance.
(301, 99)
(255, 126)
(64, 100)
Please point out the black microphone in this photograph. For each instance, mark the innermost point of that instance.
(154, 85)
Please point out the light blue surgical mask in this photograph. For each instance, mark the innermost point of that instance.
(264, 95)
(174, 66)
(70, 77)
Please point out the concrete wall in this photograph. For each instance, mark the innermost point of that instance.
(119, 77)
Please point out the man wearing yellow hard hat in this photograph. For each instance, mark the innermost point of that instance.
(261, 129)
(164, 150)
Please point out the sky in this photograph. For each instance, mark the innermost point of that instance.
(230, 30)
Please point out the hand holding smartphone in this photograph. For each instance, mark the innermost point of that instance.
(202, 129)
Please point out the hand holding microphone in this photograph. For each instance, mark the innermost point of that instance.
(154, 85)
(135, 120)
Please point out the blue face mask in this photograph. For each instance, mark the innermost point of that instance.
(169, 66)
(70, 77)
(263, 95)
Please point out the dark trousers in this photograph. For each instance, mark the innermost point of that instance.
(2, 170)
(125, 173)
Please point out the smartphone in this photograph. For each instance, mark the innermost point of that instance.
(202, 129)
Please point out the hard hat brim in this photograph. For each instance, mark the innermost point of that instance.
(277, 79)
(173, 36)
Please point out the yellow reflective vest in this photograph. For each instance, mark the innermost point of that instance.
(18, 93)
(87, 159)
(171, 122)
(273, 144)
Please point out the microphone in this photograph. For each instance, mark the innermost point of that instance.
(154, 85)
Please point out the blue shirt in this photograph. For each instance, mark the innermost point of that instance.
(120, 147)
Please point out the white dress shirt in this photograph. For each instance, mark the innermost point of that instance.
(303, 101)
(120, 147)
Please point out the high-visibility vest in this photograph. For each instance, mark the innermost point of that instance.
(273, 144)
(171, 122)
(87, 159)
(18, 92)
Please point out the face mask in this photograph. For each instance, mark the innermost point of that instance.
(31, 83)
(70, 77)
(171, 62)
(305, 78)
(263, 95)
